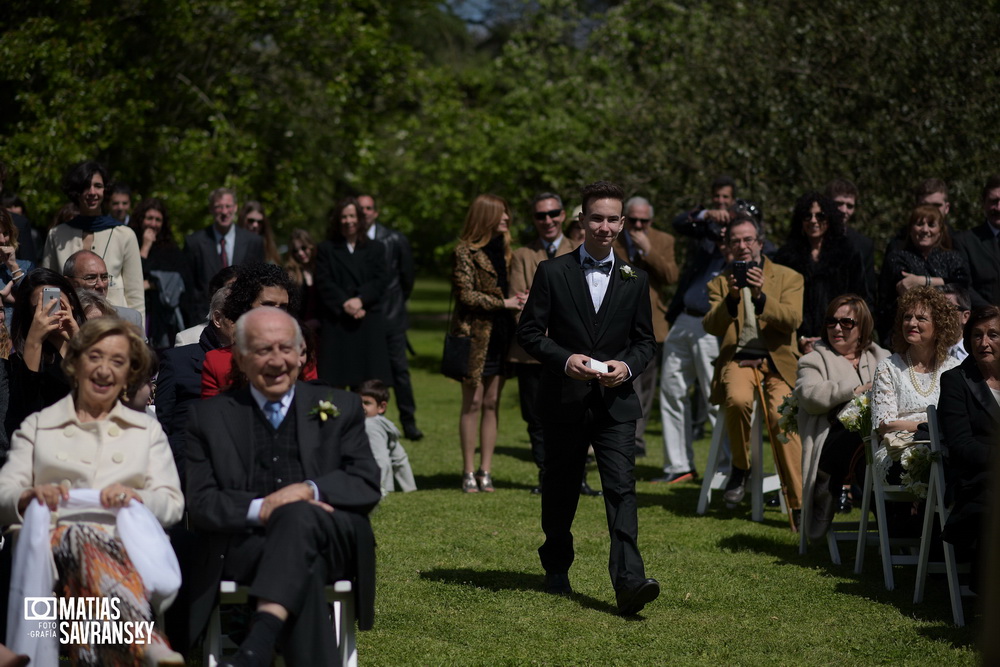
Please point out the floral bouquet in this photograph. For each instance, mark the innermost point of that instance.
(916, 462)
(857, 416)
(788, 422)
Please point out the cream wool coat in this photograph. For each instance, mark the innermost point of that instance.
(54, 447)
(118, 247)
(825, 380)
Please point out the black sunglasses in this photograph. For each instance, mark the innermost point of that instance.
(632, 220)
(845, 323)
(554, 213)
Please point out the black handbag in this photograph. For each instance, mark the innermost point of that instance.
(455, 358)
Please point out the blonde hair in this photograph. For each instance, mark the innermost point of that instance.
(481, 222)
(139, 355)
(944, 317)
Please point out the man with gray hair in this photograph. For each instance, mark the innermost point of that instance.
(86, 270)
(653, 251)
(281, 479)
(219, 245)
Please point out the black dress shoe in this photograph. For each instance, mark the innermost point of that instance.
(585, 490)
(411, 432)
(631, 601)
(557, 583)
(844, 503)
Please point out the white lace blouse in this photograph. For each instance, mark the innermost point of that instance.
(895, 398)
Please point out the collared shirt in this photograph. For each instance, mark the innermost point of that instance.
(230, 242)
(371, 231)
(597, 281)
(555, 244)
(253, 513)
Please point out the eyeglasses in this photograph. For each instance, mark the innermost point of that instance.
(749, 241)
(554, 213)
(93, 278)
(820, 217)
(633, 221)
(846, 323)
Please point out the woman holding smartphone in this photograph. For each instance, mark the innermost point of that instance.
(47, 314)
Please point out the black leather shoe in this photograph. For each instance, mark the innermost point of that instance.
(674, 477)
(557, 584)
(411, 432)
(585, 490)
(844, 503)
(246, 658)
(630, 602)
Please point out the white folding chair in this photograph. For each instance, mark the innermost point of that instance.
(936, 507)
(759, 483)
(340, 596)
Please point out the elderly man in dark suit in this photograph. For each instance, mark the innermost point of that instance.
(281, 479)
(399, 263)
(981, 249)
(587, 320)
(219, 245)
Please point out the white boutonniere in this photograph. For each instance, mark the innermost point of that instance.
(325, 410)
(627, 273)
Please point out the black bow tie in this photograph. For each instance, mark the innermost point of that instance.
(590, 263)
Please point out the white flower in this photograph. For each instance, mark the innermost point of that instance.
(325, 410)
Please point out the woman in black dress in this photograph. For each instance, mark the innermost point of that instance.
(165, 272)
(351, 276)
(817, 248)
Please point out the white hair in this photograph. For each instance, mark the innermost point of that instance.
(638, 201)
(241, 327)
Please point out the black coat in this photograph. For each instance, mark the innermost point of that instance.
(203, 263)
(559, 320)
(981, 251)
(399, 261)
(352, 350)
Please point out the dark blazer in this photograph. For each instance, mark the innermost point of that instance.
(399, 261)
(970, 423)
(335, 455)
(559, 320)
(866, 248)
(203, 263)
(982, 253)
(25, 241)
(352, 351)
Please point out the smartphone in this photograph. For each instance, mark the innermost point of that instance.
(740, 268)
(50, 299)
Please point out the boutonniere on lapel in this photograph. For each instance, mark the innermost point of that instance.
(626, 272)
(325, 410)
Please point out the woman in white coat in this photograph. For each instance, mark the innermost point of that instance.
(841, 366)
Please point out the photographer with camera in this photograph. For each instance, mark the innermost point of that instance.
(755, 309)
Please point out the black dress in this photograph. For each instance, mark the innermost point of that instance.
(949, 265)
(352, 350)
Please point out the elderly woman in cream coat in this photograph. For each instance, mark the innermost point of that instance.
(840, 367)
(90, 440)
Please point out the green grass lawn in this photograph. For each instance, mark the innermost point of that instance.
(459, 580)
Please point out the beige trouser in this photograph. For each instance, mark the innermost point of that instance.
(741, 384)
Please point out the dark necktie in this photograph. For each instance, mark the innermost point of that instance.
(222, 252)
(551, 250)
(590, 263)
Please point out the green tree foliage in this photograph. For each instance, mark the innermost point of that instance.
(298, 103)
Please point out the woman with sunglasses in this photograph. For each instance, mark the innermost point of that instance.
(927, 259)
(841, 366)
(817, 248)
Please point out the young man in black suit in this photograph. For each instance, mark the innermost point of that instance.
(219, 245)
(588, 322)
(981, 248)
(281, 480)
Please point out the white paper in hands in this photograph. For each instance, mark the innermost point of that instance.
(598, 366)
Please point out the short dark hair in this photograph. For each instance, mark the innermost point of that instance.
(601, 190)
(841, 187)
(120, 189)
(742, 218)
(992, 183)
(374, 388)
(78, 178)
(223, 276)
(250, 280)
(927, 187)
(961, 295)
(218, 193)
(723, 181)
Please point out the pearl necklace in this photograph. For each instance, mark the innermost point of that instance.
(916, 383)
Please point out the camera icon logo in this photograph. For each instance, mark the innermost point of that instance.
(40, 609)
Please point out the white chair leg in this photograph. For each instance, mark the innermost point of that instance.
(756, 463)
(866, 497)
(711, 467)
(883, 535)
(831, 544)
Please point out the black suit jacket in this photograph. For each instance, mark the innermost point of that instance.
(335, 455)
(559, 320)
(982, 254)
(203, 262)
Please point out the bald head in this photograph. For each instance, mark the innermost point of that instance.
(269, 350)
(86, 269)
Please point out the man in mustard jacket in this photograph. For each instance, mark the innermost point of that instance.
(756, 320)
